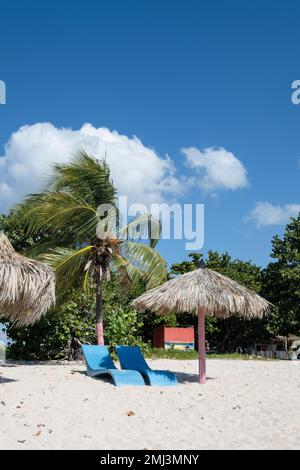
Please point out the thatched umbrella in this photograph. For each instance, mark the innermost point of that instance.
(205, 292)
(27, 287)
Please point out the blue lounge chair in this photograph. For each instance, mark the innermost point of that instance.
(99, 362)
(131, 357)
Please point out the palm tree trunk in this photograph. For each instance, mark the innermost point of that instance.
(99, 308)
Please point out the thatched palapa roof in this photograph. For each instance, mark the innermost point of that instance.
(203, 288)
(27, 287)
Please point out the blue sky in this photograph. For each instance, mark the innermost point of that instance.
(176, 74)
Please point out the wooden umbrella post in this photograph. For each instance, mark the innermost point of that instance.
(201, 345)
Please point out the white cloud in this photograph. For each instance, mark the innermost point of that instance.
(265, 213)
(217, 168)
(137, 171)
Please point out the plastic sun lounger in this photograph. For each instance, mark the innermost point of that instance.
(99, 362)
(131, 357)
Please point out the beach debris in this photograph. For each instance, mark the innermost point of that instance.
(130, 413)
(2, 403)
(50, 431)
(37, 434)
(21, 441)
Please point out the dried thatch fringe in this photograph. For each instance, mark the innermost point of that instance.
(203, 287)
(27, 287)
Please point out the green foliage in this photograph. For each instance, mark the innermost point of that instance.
(188, 355)
(50, 337)
(155, 353)
(282, 281)
(122, 324)
(122, 327)
(187, 266)
(9, 224)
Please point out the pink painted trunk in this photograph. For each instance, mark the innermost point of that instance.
(100, 337)
(201, 345)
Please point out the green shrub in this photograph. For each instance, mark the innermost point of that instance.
(50, 338)
(122, 327)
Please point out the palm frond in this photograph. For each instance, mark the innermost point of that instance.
(59, 213)
(146, 260)
(68, 263)
(145, 226)
(87, 175)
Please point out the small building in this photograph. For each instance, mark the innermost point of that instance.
(277, 348)
(181, 338)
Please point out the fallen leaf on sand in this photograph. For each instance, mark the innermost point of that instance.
(130, 413)
(38, 434)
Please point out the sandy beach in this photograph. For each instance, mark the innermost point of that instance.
(244, 405)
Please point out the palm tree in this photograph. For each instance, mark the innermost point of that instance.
(68, 212)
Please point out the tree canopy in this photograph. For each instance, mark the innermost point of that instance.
(281, 281)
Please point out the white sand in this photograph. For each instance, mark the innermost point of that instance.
(244, 405)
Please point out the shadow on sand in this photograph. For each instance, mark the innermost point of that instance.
(4, 380)
(185, 378)
(182, 377)
(16, 363)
